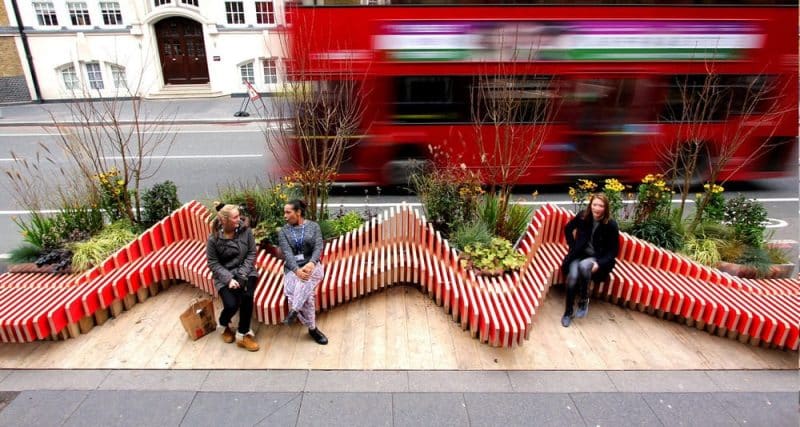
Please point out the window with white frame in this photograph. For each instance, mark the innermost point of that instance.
(94, 75)
(70, 77)
(118, 75)
(191, 2)
(234, 12)
(112, 15)
(246, 70)
(265, 12)
(45, 13)
(79, 13)
(270, 71)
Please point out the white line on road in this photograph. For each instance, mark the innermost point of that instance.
(195, 156)
(17, 135)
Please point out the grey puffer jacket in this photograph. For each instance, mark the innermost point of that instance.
(231, 258)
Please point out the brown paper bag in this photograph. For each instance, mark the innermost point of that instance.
(198, 320)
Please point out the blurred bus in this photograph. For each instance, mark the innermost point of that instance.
(619, 74)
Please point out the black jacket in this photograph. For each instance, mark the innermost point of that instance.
(605, 243)
(231, 258)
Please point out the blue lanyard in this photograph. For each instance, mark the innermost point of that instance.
(298, 243)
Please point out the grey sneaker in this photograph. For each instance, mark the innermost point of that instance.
(583, 309)
(566, 320)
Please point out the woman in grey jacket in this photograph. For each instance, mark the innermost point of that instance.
(301, 243)
(231, 253)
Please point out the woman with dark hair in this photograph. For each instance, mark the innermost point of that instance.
(231, 253)
(301, 243)
(593, 241)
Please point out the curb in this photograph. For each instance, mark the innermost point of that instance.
(42, 123)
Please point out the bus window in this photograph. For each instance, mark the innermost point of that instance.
(710, 97)
(517, 99)
(431, 99)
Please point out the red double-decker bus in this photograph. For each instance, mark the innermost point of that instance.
(620, 75)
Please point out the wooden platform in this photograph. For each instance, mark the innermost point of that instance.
(398, 328)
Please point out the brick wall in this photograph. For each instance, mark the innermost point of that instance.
(3, 16)
(9, 58)
(13, 87)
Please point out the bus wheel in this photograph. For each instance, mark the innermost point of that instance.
(405, 164)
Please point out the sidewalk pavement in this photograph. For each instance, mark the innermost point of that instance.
(397, 398)
(181, 111)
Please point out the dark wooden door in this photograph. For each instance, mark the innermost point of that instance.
(182, 51)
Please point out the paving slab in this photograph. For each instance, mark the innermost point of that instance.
(357, 381)
(762, 381)
(459, 381)
(286, 415)
(560, 381)
(4, 373)
(42, 408)
(170, 380)
(239, 409)
(255, 381)
(688, 409)
(516, 409)
(346, 409)
(614, 409)
(662, 381)
(429, 409)
(756, 409)
(55, 379)
(132, 408)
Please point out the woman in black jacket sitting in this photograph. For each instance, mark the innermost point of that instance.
(593, 240)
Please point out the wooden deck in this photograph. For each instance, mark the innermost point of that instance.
(398, 328)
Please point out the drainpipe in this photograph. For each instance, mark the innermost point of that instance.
(27, 49)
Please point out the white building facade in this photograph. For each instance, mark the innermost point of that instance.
(153, 48)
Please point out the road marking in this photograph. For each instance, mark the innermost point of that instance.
(775, 223)
(194, 156)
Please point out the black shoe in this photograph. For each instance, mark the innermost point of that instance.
(318, 336)
(583, 309)
(290, 319)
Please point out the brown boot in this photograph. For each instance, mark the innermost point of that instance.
(228, 335)
(247, 342)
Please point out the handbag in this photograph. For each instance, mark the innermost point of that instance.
(198, 320)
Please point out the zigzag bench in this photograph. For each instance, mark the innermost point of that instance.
(400, 247)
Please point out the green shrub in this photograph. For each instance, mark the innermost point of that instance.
(747, 218)
(730, 250)
(328, 229)
(489, 211)
(262, 205)
(517, 221)
(40, 232)
(493, 259)
(159, 201)
(777, 255)
(712, 230)
(449, 196)
(757, 258)
(93, 251)
(704, 251)
(659, 230)
(24, 253)
(76, 223)
(470, 233)
(347, 223)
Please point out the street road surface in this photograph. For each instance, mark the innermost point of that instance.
(205, 157)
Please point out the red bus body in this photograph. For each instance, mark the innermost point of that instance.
(362, 42)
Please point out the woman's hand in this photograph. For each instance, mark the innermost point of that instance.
(233, 284)
(302, 274)
(595, 267)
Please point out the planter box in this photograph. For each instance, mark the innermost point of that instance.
(776, 271)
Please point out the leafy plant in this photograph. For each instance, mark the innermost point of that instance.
(470, 233)
(580, 194)
(659, 230)
(24, 253)
(489, 211)
(449, 196)
(757, 258)
(654, 199)
(328, 229)
(40, 232)
(262, 205)
(516, 221)
(715, 208)
(777, 255)
(747, 218)
(78, 222)
(704, 251)
(712, 229)
(613, 190)
(93, 251)
(159, 201)
(730, 250)
(347, 223)
(492, 259)
(114, 195)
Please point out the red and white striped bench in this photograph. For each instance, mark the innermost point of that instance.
(399, 246)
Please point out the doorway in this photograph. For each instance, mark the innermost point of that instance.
(182, 51)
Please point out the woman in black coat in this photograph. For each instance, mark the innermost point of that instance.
(593, 240)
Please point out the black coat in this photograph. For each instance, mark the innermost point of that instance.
(605, 243)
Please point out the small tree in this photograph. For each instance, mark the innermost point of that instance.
(115, 136)
(742, 104)
(323, 118)
(511, 114)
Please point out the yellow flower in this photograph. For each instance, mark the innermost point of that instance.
(120, 182)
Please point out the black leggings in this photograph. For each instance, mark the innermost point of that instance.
(240, 299)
